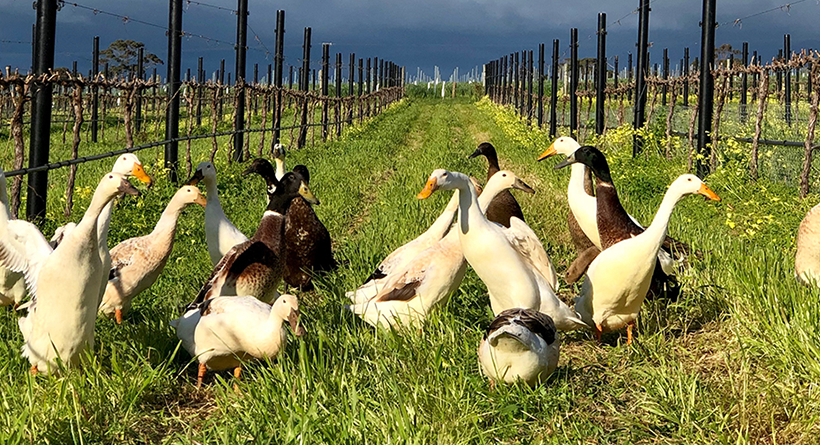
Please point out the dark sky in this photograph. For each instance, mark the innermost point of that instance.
(423, 33)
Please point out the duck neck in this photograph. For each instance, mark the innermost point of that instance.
(213, 192)
(492, 165)
(104, 222)
(166, 227)
(443, 222)
(469, 211)
(273, 221)
(280, 168)
(101, 201)
(578, 180)
(657, 230)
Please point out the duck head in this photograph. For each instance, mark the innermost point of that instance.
(484, 149)
(690, 184)
(190, 194)
(564, 145)
(286, 308)
(303, 171)
(129, 165)
(114, 183)
(279, 151)
(204, 171)
(263, 168)
(506, 179)
(592, 158)
(291, 186)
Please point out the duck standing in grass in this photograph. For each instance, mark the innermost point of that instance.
(226, 331)
(307, 239)
(603, 218)
(64, 283)
(425, 281)
(136, 263)
(618, 279)
(519, 344)
(504, 206)
(220, 234)
(518, 273)
(255, 267)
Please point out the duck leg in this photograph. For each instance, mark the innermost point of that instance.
(629, 332)
(34, 370)
(598, 331)
(237, 372)
(200, 375)
(118, 315)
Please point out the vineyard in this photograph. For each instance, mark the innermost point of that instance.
(732, 358)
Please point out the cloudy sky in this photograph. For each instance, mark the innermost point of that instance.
(423, 33)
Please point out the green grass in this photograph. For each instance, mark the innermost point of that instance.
(734, 361)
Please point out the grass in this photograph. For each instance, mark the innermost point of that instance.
(735, 360)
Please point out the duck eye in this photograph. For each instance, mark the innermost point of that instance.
(110, 176)
(690, 179)
(504, 175)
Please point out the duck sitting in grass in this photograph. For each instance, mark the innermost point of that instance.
(226, 331)
(520, 344)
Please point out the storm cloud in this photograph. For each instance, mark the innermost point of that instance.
(423, 33)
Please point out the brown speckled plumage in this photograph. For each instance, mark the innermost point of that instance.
(308, 245)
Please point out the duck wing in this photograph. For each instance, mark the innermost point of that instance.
(24, 249)
(527, 244)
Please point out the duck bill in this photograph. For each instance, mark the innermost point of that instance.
(198, 176)
(707, 192)
(201, 200)
(551, 151)
(305, 192)
(127, 188)
(568, 161)
(429, 188)
(521, 185)
(477, 152)
(139, 173)
(293, 320)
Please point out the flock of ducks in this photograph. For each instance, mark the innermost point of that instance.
(622, 261)
(239, 313)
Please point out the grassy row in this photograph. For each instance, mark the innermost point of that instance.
(733, 361)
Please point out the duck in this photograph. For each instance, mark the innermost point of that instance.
(136, 263)
(520, 344)
(127, 164)
(226, 331)
(12, 284)
(807, 258)
(513, 280)
(220, 234)
(618, 280)
(610, 221)
(504, 206)
(307, 239)
(256, 266)
(407, 296)
(63, 283)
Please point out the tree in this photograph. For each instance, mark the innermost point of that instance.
(121, 56)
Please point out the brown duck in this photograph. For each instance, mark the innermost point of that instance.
(256, 266)
(307, 239)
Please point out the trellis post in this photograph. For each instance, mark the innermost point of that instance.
(601, 68)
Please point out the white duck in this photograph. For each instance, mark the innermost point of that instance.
(220, 234)
(618, 279)
(64, 283)
(138, 262)
(225, 331)
(520, 344)
(12, 284)
(513, 277)
(398, 259)
(126, 165)
(411, 291)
